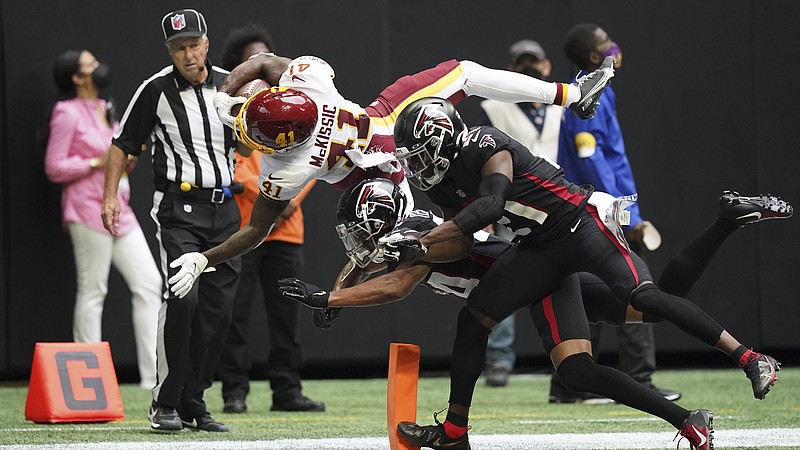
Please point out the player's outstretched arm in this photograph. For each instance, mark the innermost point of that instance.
(387, 288)
(265, 66)
(265, 212)
(192, 264)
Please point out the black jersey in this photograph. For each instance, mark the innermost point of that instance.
(458, 277)
(541, 204)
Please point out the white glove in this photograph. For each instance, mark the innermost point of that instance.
(192, 265)
(223, 104)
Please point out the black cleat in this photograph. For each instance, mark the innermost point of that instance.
(164, 418)
(431, 436)
(497, 375)
(698, 429)
(748, 210)
(762, 370)
(234, 405)
(592, 86)
(298, 403)
(205, 423)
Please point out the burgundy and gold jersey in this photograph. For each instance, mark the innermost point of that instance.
(344, 126)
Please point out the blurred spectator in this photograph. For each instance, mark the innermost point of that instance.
(279, 256)
(593, 152)
(80, 129)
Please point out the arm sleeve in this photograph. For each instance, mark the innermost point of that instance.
(505, 86)
(59, 164)
(488, 208)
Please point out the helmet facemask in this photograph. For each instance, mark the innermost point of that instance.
(368, 211)
(428, 142)
(360, 242)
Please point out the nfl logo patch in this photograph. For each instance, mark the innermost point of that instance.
(187, 208)
(178, 22)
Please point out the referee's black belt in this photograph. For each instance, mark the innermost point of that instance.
(213, 195)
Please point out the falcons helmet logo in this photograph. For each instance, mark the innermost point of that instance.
(371, 197)
(429, 120)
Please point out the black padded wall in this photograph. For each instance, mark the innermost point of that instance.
(705, 98)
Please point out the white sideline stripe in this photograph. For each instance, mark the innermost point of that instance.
(773, 437)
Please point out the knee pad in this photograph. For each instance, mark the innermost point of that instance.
(573, 370)
(643, 296)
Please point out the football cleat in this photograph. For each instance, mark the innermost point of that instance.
(431, 436)
(698, 429)
(164, 418)
(762, 370)
(592, 86)
(748, 210)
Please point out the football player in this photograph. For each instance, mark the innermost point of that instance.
(480, 176)
(371, 209)
(307, 130)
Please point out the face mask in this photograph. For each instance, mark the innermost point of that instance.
(533, 72)
(614, 51)
(101, 77)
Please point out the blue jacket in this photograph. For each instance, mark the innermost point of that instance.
(592, 152)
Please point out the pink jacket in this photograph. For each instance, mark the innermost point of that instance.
(76, 135)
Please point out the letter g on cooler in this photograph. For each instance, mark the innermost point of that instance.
(92, 383)
(73, 382)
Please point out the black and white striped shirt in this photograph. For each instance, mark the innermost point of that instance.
(190, 143)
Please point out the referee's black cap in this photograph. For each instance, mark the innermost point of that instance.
(183, 23)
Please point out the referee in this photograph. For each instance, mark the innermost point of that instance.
(193, 163)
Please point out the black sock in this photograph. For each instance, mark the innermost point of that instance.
(467, 359)
(657, 304)
(685, 268)
(580, 373)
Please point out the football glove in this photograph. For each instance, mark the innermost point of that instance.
(324, 317)
(403, 246)
(223, 104)
(305, 293)
(191, 266)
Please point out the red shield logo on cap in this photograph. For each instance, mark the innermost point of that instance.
(178, 22)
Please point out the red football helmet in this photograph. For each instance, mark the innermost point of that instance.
(276, 120)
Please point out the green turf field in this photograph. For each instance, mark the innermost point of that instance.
(356, 408)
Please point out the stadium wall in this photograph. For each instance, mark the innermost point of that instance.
(705, 99)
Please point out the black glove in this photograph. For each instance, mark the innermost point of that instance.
(305, 293)
(324, 317)
(403, 246)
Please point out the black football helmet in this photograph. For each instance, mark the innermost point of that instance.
(425, 140)
(367, 211)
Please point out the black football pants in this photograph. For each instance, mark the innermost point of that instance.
(191, 330)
